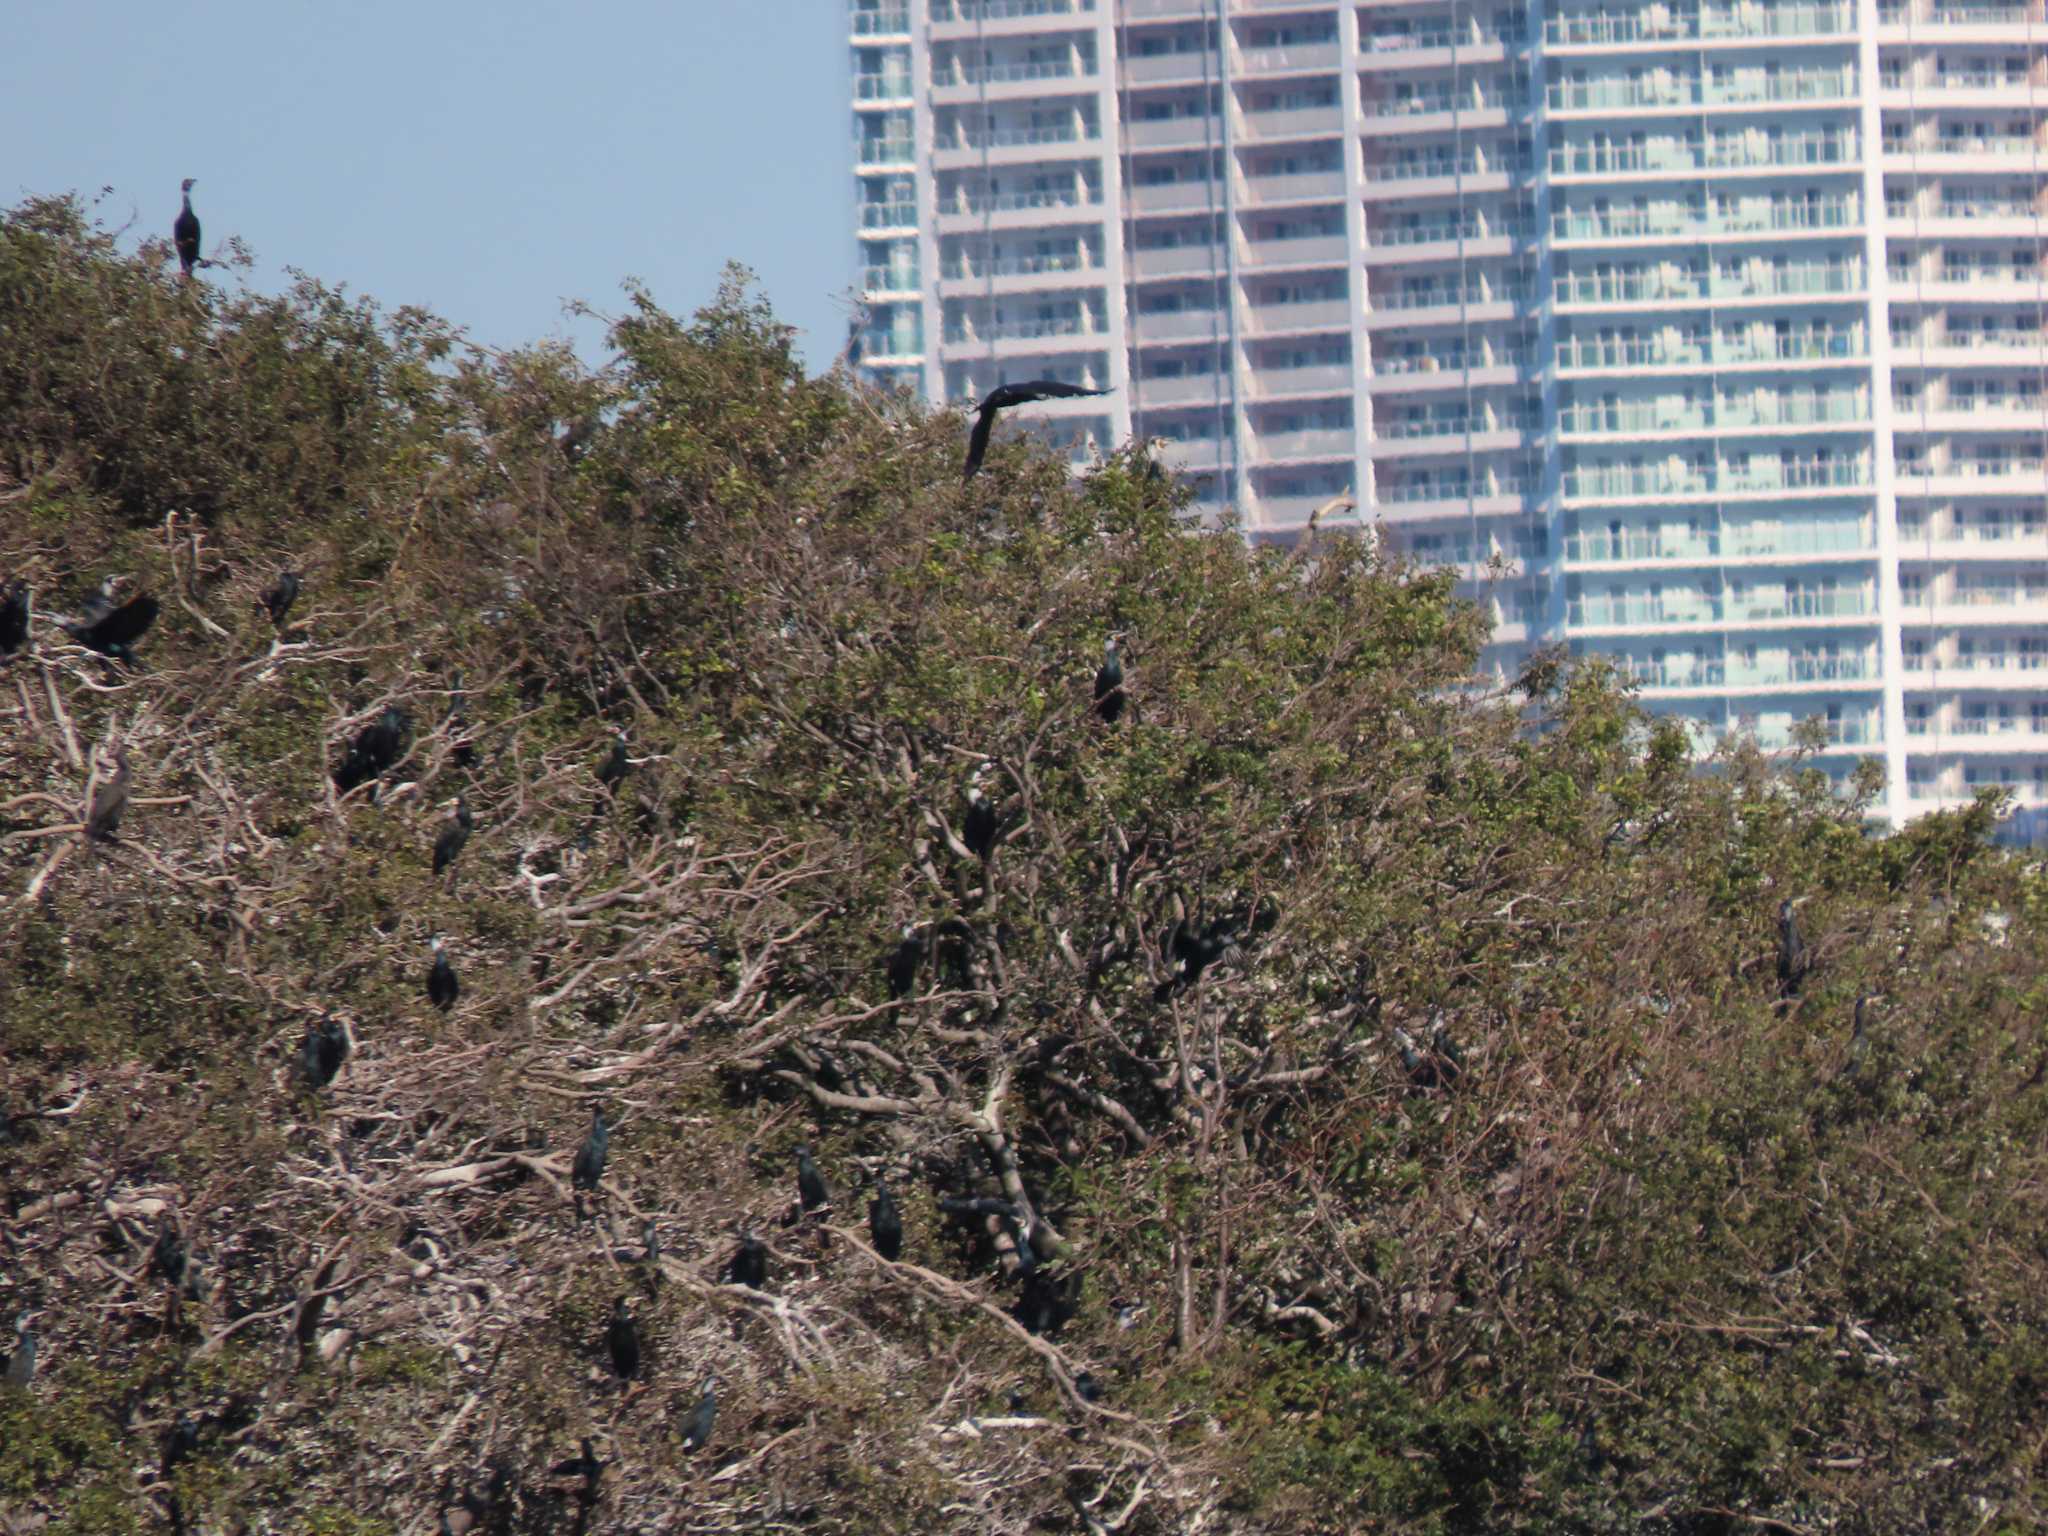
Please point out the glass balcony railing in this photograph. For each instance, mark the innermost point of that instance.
(1825, 603)
(1616, 612)
(1014, 202)
(1670, 89)
(1452, 488)
(1693, 220)
(1012, 72)
(1649, 284)
(1666, 24)
(887, 215)
(1026, 330)
(881, 23)
(1730, 153)
(1423, 103)
(887, 152)
(1608, 482)
(1609, 549)
(1012, 138)
(1829, 538)
(1431, 298)
(889, 279)
(1636, 417)
(1002, 10)
(880, 87)
(1685, 349)
(1016, 266)
(1432, 233)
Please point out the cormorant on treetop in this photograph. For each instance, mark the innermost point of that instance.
(185, 231)
(442, 987)
(1109, 683)
(1001, 398)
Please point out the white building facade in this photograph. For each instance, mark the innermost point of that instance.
(1708, 337)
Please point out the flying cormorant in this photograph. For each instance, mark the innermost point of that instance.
(589, 1165)
(112, 630)
(442, 987)
(1001, 398)
(1109, 684)
(454, 833)
(185, 230)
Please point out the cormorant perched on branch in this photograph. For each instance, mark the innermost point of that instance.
(904, 959)
(1001, 398)
(21, 1365)
(454, 833)
(697, 1428)
(376, 747)
(1793, 958)
(13, 617)
(622, 1339)
(885, 1223)
(1191, 953)
(749, 1264)
(589, 1165)
(279, 596)
(812, 1192)
(613, 770)
(978, 831)
(326, 1048)
(185, 230)
(180, 1441)
(109, 800)
(111, 630)
(167, 1255)
(1109, 683)
(1859, 1037)
(442, 987)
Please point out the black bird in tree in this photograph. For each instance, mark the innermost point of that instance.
(885, 1223)
(589, 1165)
(109, 800)
(1109, 684)
(622, 1339)
(14, 611)
(812, 1192)
(613, 770)
(1794, 960)
(697, 1428)
(454, 833)
(1859, 1037)
(900, 969)
(1189, 953)
(109, 629)
(180, 1441)
(978, 831)
(1089, 1389)
(442, 987)
(1001, 398)
(325, 1049)
(167, 1255)
(749, 1263)
(279, 596)
(185, 230)
(21, 1365)
(376, 747)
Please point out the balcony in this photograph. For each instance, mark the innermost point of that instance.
(1019, 202)
(1694, 350)
(1014, 72)
(1429, 102)
(1683, 481)
(1004, 10)
(1294, 187)
(1825, 603)
(1776, 542)
(1747, 88)
(1309, 379)
(1636, 418)
(1167, 260)
(1298, 250)
(1313, 443)
(1672, 674)
(1663, 612)
(881, 87)
(1184, 389)
(1444, 166)
(888, 216)
(883, 23)
(1632, 548)
(1037, 264)
(1291, 123)
(1193, 65)
(1693, 221)
(1663, 25)
(889, 280)
(1650, 285)
(1178, 324)
(1731, 152)
(1175, 196)
(1308, 315)
(1025, 330)
(1293, 58)
(1018, 138)
(886, 152)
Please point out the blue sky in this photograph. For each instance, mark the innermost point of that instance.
(485, 161)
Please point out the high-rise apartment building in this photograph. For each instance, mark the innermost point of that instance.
(1706, 336)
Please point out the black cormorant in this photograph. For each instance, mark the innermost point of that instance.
(978, 831)
(1793, 958)
(1001, 398)
(375, 748)
(180, 1441)
(1088, 1388)
(325, 1049)
(697, 1429)
(613, 770)
(585, 1466)
(901, 967)
(622, 1339)
(185, 230)
(109, 800)
(749, 1265)
(1109, 684)
(1189, 953)
(279, 596)
(21, 1365)
(111, 630)
(811, 1190)
(167, 1255)
(14, 609)
(454, 833)
(589, 1165)
(442, 987)
(885, 1223)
